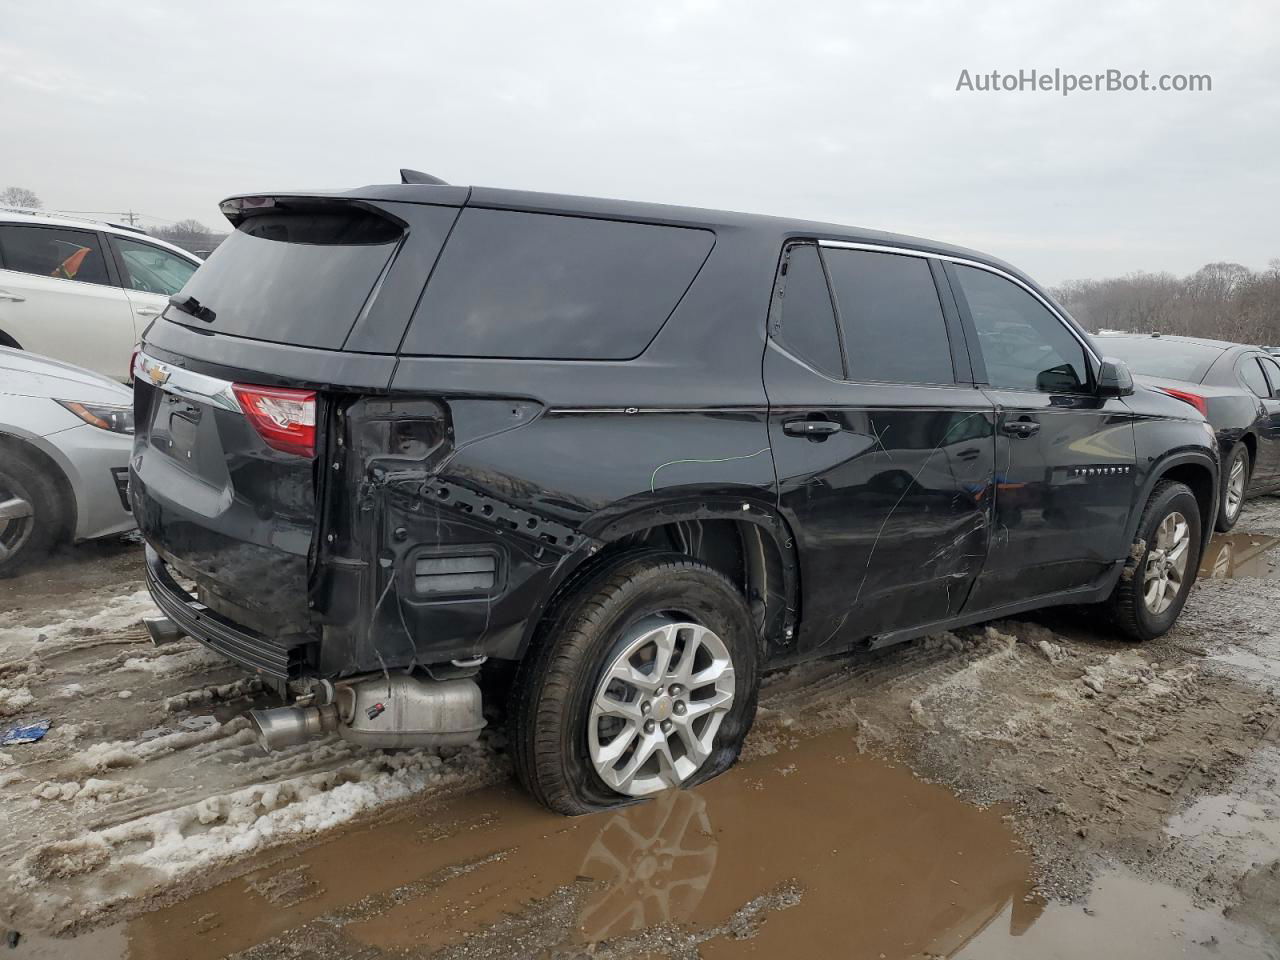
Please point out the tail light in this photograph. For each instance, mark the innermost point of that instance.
(1194, 399)
(286, 419)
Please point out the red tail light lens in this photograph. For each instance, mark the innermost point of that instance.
(1194, 399)
(286, 419)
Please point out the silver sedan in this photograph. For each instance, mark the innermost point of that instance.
(65, 438)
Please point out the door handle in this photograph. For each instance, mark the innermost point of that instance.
(1020, 428)
(11, 297)
(810, 428)
(148, 311)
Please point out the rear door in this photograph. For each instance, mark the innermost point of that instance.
(1065, 478)
(59, 296)
(1267, 470)
(883, 451)
(149, 275)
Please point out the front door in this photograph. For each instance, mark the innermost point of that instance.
(884, 456)
(1065, 457)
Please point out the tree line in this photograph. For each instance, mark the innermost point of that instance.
(1223, 301)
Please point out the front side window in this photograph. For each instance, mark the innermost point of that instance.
(1024, 346)
(806, 323)
(151, 269)
(892, 321)
(1252, 376)
(53, 252)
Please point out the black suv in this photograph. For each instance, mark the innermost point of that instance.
(394, 441)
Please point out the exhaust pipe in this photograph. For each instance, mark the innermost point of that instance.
(162, 630)
(283, 727)
(381, 711)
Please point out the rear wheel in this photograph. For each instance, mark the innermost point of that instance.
(32, 512)
(1235, 482)
(1158, 576)
(644, 679)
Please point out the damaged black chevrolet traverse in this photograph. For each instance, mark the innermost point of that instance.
(400, 440)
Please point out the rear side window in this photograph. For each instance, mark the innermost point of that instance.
(1251, 373)
(298, 277)
(806, 323)
(527, 285)
(892, 321)
(1273, 374)
(53, 252)
(1024, 346)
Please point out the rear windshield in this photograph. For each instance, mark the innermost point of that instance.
(1156, 357)
(299, 278)
(527, 285)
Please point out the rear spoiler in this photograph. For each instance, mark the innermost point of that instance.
(237, 208)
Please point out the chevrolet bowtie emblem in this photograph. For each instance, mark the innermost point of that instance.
(157, 374)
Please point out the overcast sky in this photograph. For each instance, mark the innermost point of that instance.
(829, 110)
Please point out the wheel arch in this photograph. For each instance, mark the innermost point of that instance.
(1250, 441)
(750, 543)
(57, 473)
(1199, 471)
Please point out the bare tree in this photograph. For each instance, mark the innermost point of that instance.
(188, 234)
(19, 197)
(1224, 301)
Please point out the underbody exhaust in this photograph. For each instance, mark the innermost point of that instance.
(380, 711)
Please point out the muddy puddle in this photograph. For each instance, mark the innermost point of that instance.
(816, 850)
(816, 844)
(1240, 555)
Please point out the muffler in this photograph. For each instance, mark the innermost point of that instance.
(381, 711)
(162, 630)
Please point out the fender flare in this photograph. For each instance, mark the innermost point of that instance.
(1159, 469)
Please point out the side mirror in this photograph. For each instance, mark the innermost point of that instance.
(1114, 378)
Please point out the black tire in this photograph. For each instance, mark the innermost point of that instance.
(1225, 521)
(26, 477)
(557, 680)
(1127, 605)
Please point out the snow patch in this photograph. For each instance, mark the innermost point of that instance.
(117, 754)
(14, 700)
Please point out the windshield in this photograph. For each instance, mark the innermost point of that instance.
(1157, 357)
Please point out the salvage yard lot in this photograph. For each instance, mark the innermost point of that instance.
(1129, 791)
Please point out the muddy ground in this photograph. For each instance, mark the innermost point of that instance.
(1025, 789)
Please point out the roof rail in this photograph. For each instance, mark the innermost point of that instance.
(417, 176)
(34, 212)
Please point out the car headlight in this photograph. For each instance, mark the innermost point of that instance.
(104, 416)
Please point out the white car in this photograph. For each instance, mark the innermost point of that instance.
(83, 291)
(65, 439)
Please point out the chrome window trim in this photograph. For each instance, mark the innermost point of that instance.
(963, 261)
(185, 383)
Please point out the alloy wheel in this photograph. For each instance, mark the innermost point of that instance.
(1235, 487)
(17, 519)
(658, 705)
(1166, 566)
